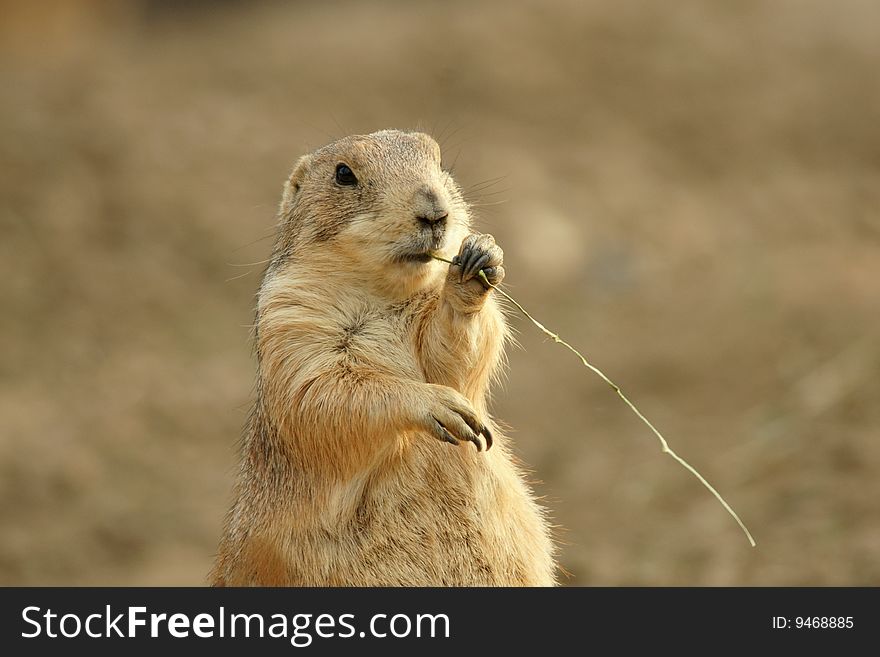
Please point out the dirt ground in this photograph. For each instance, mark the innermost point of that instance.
(687, 191)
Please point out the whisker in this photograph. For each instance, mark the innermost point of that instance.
(338, 125)
(490, 203)
(249, 264)
(485, 184)
(235, 278)
(481, 194)
(259, 239)
(443, 140)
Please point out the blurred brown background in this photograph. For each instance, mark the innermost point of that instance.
(687, 191)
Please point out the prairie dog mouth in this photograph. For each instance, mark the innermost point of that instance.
(421, 250)
(416, 257)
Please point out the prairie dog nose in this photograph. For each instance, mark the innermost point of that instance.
(430, 209)
(433, 217)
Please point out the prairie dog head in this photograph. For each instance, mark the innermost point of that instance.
(375, 205)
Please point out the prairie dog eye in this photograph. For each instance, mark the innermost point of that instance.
(345, 176)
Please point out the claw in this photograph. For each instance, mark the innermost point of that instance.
(476, 266)
(473, 424)
(464, 262)
(449, 438)
(477, 252)
(488, 436)
(445, 435)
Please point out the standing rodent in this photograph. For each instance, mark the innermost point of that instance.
(375, 360)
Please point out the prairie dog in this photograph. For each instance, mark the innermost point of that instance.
(370, 458)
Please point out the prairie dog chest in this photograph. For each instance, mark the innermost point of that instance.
(379, 334)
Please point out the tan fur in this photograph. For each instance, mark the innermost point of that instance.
(343, 481)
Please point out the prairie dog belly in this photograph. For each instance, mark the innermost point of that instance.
(425, 517)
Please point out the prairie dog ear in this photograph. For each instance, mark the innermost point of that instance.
(293, 183)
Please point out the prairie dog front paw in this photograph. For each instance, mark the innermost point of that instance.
(478, 252)
(449, 416)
